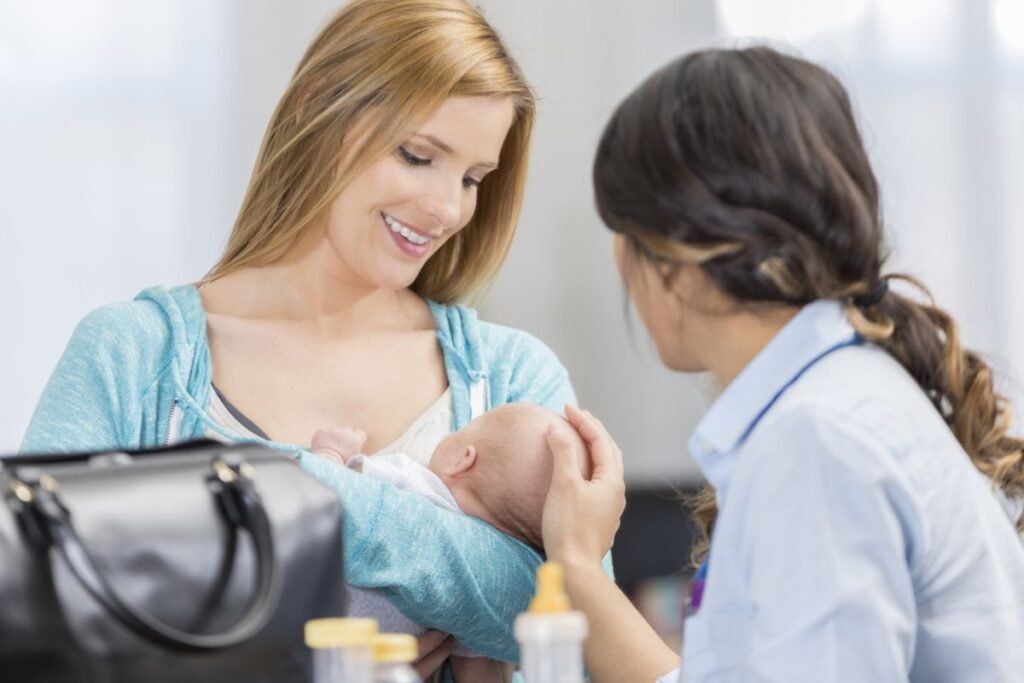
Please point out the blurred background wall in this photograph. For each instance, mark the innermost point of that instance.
(128, 130)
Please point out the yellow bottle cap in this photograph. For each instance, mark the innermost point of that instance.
(389, 648)
(322, 634)
(550, 596)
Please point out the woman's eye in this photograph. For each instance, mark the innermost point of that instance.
(468, 182)
(411, 159)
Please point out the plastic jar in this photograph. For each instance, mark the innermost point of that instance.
(393, 655)
(342, 649)
(551, 634)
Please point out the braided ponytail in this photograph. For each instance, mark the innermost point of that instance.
(926, 341)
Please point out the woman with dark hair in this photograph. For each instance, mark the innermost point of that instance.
(864, 489)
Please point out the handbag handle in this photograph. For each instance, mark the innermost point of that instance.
(49, 521)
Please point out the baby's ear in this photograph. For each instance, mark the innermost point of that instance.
(464, 463)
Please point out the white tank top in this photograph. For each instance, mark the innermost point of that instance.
(418, 441)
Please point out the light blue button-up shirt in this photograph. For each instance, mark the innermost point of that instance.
(855, 539)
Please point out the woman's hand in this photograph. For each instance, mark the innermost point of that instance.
(434, 648)
(581, 516)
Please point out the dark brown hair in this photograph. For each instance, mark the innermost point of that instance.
(749, 163)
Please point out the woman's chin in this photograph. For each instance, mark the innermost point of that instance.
(396, 273)
(680, 363)
(397, 280)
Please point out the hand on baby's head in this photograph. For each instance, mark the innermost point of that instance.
(338, 443)
(511, 472)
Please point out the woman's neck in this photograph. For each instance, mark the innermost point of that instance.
(314, 290)
(739, 337)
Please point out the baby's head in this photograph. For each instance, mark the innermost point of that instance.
(498, 467)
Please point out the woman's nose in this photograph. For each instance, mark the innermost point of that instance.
(444, 204)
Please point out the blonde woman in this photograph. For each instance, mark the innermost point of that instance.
(386, 191)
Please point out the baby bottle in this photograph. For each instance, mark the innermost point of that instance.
(551, 634)
(341, 649)
(393, 654)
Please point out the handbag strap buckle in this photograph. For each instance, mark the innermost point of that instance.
(22, 491)
(231, 482)
(37, 504)
(230, 472)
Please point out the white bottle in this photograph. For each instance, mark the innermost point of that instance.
(341, 649)
(551, 634)
(393, 655)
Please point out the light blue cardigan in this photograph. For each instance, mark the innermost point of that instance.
(137, 374)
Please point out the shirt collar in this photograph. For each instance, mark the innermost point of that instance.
(818, 328)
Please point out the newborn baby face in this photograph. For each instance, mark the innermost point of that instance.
(498, 467)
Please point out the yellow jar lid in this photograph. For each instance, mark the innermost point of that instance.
(339, 632)
(389, 648)
(550, 597)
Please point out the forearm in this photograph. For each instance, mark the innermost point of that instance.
(621, 646)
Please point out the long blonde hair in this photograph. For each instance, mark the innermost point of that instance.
(395, 61)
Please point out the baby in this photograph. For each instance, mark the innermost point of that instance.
(497, 468)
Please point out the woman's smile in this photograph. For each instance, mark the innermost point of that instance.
(410, 240)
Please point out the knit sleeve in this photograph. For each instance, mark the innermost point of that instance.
(92, 399)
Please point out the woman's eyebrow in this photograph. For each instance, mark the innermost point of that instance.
(446, 148)
(436, 142)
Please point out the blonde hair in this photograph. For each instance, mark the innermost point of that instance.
(395, 61)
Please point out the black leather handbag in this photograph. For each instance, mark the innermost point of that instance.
(195, 563)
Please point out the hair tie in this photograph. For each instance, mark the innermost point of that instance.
(874, 295)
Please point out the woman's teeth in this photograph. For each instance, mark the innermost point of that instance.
(405, 232)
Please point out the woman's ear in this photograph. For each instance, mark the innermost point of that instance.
(681, 279)
(692, 287)
(688, 282)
